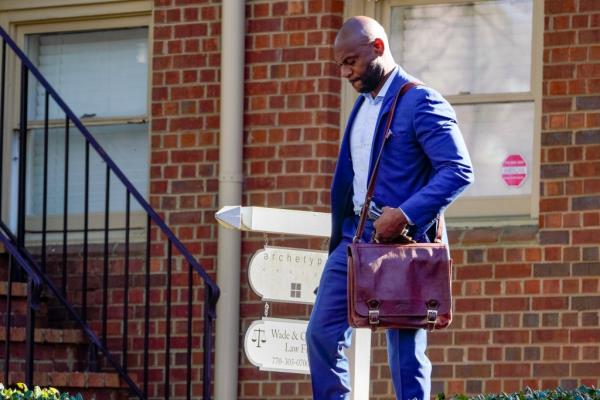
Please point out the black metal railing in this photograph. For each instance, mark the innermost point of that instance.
(151, 287)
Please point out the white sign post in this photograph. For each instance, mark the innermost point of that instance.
(279, 352)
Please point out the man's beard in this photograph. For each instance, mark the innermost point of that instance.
(371, 78)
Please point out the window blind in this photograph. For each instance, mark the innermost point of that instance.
(98, 74)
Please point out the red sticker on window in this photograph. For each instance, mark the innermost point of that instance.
(514, 170)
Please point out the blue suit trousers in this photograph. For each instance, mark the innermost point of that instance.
(329, 335)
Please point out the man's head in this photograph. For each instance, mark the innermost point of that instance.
(361, 49)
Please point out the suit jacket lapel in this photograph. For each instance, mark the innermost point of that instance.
(398, 80)
(344, 165)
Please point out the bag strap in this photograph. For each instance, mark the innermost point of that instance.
(371, 187)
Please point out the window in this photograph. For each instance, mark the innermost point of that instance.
(102, 76)
(486, 63)
(296, 290)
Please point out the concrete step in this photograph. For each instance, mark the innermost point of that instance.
(54, 349)
(19, 306)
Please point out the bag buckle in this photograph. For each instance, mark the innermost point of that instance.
(432, 313)
(374, 317)
(373, 305)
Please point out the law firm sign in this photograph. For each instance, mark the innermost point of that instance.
(274, 344)
(285, 274)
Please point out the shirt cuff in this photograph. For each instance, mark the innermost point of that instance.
(407, 217)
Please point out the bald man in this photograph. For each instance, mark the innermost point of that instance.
(424, 167)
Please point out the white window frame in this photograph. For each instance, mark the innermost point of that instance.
(20, 20)
(480, 210)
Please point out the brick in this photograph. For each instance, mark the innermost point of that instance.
(559, 38)
(551, 369)
(551, 105)
(512, 370)
(300, 23)
(558, 72)
(585, 335)
(587, 103)
(581, 303)
(481, 236)
(512, 287)
(264, 25)
(473, 305)
(588, 236)
(586, 169)
(556, 138)
(574, 153)
(550, 303)
(590, 254)
(299, 54)
(588, 5)
(473, 371)
(519, 233)
(550, 270)
(589, 318)
(586, 203)
(511, 304)
(512, 354)
(555, 171)
(588, 137)
(531, 320)
(550, 336)
(474, 256)
(510, 336)
(554, 237)
(512, 271)
(295, 118)
(511, 320)
(586, 369)
(189, 186)
(474, 337)
(559, 6)
(532, 286)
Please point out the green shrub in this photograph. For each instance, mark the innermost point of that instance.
(23, 392)
(581, 393)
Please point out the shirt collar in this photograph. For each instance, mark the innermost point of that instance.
(382, 92)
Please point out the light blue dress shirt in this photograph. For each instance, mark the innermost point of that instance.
(361, 141)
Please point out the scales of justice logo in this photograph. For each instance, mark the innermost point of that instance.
(259, 337)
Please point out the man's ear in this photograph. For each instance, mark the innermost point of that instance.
(379, 46)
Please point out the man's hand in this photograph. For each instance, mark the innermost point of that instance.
(389, 226)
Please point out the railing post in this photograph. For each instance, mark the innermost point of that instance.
(30, 325)
(2, 100)
(8, 323)
(22, 157)
(30, 334)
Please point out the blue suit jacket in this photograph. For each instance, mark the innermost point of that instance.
(424, 166)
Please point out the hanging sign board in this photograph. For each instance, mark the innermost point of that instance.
(514, 170)
(285, 274)
(274, 344)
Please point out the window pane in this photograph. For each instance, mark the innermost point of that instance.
(127, 145)
(479, 47)
(493, 132)
(98, 74)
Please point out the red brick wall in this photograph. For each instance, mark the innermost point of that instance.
(184, 168)
(526, 297)
(185, 121)
(291, 141)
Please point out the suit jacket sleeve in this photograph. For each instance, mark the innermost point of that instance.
(436, 129)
